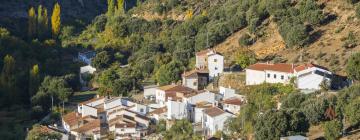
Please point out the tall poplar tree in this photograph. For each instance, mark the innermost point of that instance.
(111, 8)
(120, 7)
(31, 22)
(55, 20)
(34, 80)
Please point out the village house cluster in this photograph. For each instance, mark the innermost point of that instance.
(206, 110)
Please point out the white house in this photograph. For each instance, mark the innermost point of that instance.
(176, 110)
(86, 57)
(215, 64)
(150, 91)
(169, 91)
(211, 60)
(199, 111)
(233, 105)
(158, 114)
(196, 79)
(306, 76)
(214, 119)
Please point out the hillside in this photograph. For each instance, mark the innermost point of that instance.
(327, 50)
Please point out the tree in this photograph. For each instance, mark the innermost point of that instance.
(352, 111)
(273, 125)
(120, 7)
(111, 8)
(31, 22)
(56, 20)
(52, 88)
(181, 130)
(245, 57)
(293, 100)
(39, 132)
(161, 126)
(101, 60)
(314, 109)
(332, 129)
(353, 67)
(42, 21)
(34, 80)
(245, 40)
(169, 73)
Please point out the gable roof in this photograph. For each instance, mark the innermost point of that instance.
(88, 126)
(195, 72)
(91, 100)
(280, 67)
(175, 88)
(73, 118)
(233, 101)
(214, 111)
(159, 110)
(283, 67)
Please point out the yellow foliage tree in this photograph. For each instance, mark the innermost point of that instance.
(189, 14)
(32, 22)
(55, 20)
(120, 7)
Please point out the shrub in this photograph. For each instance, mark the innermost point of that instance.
(245, 40)
(332, 129)
(350, 41)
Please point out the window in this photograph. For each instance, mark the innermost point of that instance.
(268, 75)
(101, 117)
(195, 83)
(274, 76)
(216, 68)
(122, 129)
(141, 110)
(215, 60)
(282, 77)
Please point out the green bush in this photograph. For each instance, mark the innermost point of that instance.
(332, 129)
(245, 40)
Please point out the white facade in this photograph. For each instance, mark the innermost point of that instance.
(235, 109)
(198, 114)
(87, 110)
(87, 69)
(254, 77)
(190, 82)
(216, 123)
(215, 65)
(141, 109)
(150, 91)
(176, 110)
(160, 97)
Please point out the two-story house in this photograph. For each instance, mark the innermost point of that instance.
(196, 79)
(211, 60)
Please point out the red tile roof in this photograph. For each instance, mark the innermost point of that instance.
(233, 101)
(214, 111)
(203, 52)
(72, 118)
(88, 126)
(280, 67)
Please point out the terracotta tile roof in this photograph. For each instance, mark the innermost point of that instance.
(91, 100)
(203, 104)
(280, 67)
(88, 126)
(175, 88)
(233, 101)
(214, 111)
(203, 52)
(195, 72)
(159, 110)
(72, 118)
